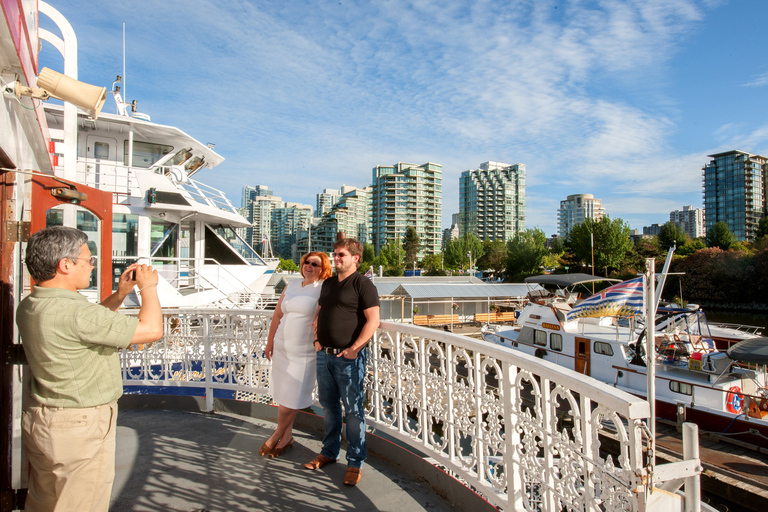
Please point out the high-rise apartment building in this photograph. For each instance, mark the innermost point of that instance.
(734, 192)
(259, 214)
(492, 201)
(326, 199)
(690, 220)
(575, 210)
(290, 222)
(350, 215)
(276, 226)
(407, 195)
(250, 193)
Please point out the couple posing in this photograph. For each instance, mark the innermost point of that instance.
(346, 307)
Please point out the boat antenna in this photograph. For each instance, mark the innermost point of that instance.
(125, 94)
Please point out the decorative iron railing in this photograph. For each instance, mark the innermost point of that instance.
(525, 434)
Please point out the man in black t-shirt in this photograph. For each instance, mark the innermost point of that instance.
(348, 318)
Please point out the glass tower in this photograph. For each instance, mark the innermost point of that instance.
(734, 192)
(492, 201)
(407, 195)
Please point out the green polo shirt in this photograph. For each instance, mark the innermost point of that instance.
(71, 346)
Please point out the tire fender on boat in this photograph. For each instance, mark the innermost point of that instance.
(734, 402)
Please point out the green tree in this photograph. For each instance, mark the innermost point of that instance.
(494, 256)
(611, 242)
(411, 245)
(432, 265)
(762, 228)
(720, 236)
(456, 253)
(671, 235)
(288, 265)
(526, 252)
(558, 245)
(369, 255)
(691, 247)
(391, 258)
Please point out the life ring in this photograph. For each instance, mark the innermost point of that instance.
(734, 401)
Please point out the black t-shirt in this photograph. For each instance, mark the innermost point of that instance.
(342, 305)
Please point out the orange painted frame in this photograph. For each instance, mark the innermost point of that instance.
(98, 203)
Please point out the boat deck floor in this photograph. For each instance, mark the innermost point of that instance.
(737, 474)
(193, 461)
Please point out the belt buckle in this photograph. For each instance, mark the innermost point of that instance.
(331, 351)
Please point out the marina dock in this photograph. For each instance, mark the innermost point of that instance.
(733, 477)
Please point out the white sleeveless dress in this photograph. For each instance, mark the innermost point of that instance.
(294, 370)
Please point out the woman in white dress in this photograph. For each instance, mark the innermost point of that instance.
(290, 348)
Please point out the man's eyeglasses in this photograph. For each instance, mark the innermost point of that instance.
(92, 260)
(340, 254)
(312, 263)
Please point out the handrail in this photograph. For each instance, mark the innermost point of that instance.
(443, 395)
(178, 260)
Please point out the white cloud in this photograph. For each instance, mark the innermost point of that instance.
(302, 96)
(758, 81)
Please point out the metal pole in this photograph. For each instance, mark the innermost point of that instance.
(592, 243)
(692, 483)
(650, 338)
(208, 366)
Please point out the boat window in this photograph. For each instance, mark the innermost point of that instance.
(194, 164)
(603, 348)
(680, 387)
(556, 342)
(145, 153)
(163, 238)
(125, 244)
(238, 245)
(526, 335)
(540, 338)
(180, 157)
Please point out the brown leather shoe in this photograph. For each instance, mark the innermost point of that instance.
(353, 476)
(319, 461)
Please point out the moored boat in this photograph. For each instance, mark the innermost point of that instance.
(723, 392)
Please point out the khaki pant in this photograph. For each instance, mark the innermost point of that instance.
(71, 452)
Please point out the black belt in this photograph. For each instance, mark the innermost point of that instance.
(332, 351)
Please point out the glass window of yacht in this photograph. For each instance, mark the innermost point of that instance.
(194, 164)
(603, 348)
(680, 387)
(180, 157)
(163, 238)
(125, 244)
(556, 342)
(540, 338)
(145, 153)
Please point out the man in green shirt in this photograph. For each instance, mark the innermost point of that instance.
(71, 344)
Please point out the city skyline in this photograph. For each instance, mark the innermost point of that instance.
(620, 100)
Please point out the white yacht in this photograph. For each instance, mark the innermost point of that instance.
(602, 336)
(159, 213)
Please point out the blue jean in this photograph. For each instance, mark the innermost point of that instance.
(340, 381)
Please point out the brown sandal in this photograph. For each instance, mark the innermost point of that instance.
(265, 449)
(276, 452)
(353, 476)
(319, 461)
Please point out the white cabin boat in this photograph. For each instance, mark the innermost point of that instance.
(694, 380)
(159, 213)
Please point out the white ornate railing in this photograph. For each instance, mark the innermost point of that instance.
(525, 434)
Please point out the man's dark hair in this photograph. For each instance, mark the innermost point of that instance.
(353, 246)
(47, 247)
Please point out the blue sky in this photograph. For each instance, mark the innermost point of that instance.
(620, 99)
